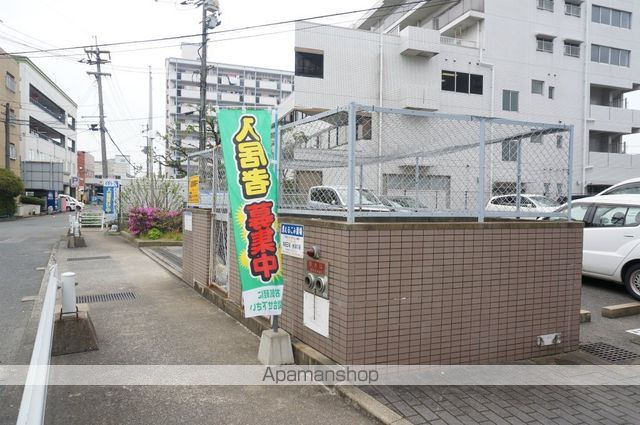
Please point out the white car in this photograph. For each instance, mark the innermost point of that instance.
(335, 198)
(611, 247)
(528, 204)
(72, 203)
(626, 187)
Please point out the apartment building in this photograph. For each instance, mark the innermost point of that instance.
(550, 61)
(86, 173)
(48, 134)
(228, 86)
(10, 95)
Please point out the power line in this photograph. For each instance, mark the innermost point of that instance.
(126, 157)
(248, 27)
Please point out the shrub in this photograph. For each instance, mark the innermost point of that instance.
(10, 187)
(154, 234)
(143, 219)
(32, 200)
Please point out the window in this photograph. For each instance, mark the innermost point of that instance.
(559, 142)
(572, 8)
(510, 100)
(475, 84)
(448, 81)
(545, 5)
(462, 82)
(325, 196)
(544, 44)
(537, 87)
(552, 92)
(578, 213)
(12, 151)
(309, 64)
(628, 189)
(10, 82)
(615, 216)
(510, 150)
(613, 17)
(536, 138)
(572, 48)
(547, 188)
(610, 55)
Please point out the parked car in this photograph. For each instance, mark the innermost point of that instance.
(407, 202)
(628, 187)
(611, 246)
(72, 203)
(393, 205)
(335, 198)
(528, 204)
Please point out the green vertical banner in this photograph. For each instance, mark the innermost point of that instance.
(253, 189)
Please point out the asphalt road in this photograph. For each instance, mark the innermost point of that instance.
(25, 245)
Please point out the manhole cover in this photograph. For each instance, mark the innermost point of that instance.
(609, 352)
(101, 257)
(101, 298)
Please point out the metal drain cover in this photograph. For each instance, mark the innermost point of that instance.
(609, 352)
(101, 257)
(101, 298)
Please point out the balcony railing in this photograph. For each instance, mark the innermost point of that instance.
(451, 41)
(456, 11)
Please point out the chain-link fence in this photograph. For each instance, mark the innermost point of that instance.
(208, 166)
(366, 161)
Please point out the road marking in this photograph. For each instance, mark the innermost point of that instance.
(41, 268)
(634, 331)
(29, 298)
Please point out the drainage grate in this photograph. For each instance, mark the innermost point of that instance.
(102, 257)
(101, 298)
(609, 352)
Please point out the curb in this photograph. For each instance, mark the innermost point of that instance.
(370, 405)
(144, 243)
(26, 345)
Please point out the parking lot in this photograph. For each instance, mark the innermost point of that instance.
(597, 294)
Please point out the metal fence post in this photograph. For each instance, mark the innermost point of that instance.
(519, 176)
(351, 168)
(570, 173)
(481, 166)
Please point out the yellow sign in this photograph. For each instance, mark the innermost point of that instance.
(194, 190)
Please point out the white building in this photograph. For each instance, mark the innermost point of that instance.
(562, 61)
(228, 86)
(48, 124)
(119, 167)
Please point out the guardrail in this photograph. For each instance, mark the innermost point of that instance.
(34, 396)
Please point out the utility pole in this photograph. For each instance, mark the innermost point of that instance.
(95, 59)
(202, 119)
(150, 130)
(7, 156)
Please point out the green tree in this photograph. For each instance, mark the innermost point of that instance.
(10, 187)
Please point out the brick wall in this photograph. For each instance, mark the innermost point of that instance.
(195, 246)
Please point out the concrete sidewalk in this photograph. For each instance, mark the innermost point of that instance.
(169, 323)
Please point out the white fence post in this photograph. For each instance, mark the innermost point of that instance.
(68, 293)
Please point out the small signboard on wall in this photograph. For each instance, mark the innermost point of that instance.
(292, 240)
(188, 221)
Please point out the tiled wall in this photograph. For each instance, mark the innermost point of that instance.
(195, 246)
(438, 293)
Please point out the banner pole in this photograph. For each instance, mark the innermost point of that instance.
(276, 154)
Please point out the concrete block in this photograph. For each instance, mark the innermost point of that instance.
(585, 316)
(621, 310)
(275, 348)
(73, 334)
(76, 242)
